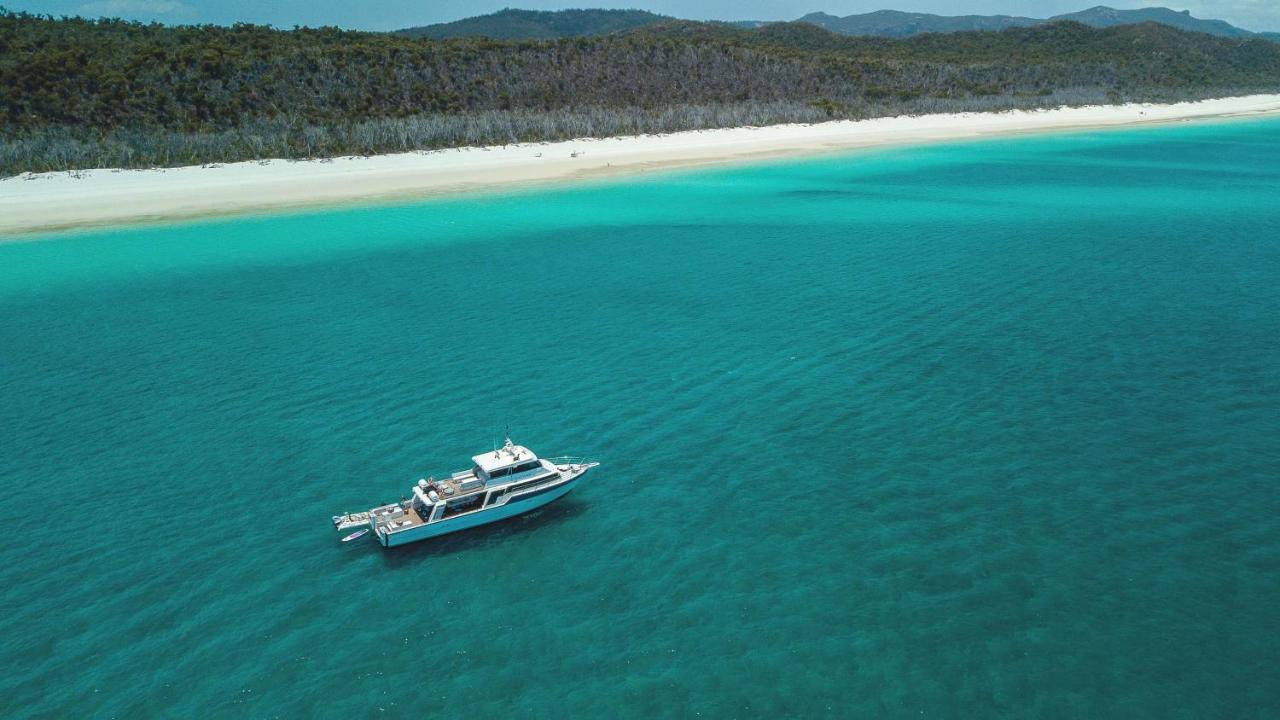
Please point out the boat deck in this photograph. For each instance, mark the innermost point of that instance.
(411, 514)
(409, 517)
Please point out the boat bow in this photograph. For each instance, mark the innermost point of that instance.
(572, 466)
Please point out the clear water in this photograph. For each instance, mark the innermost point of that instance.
(973, 430)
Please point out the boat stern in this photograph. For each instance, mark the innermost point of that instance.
(351, 521)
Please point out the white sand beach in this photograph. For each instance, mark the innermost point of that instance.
(37, 202)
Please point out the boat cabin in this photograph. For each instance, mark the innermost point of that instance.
(506, 463)
(495, 475)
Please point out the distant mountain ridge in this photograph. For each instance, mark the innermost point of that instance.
(511, 24)
(1103, 16)
(892, 23)
(895, 23)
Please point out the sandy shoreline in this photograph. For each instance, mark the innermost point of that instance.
(48, 201)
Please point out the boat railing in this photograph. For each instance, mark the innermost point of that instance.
(571, 460)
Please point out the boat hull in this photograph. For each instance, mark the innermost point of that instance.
(512, 508)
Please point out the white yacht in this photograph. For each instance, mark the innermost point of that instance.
(500, 484)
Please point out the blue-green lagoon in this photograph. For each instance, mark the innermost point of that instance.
(988, 429)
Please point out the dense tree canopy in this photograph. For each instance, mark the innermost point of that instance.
(75, 92)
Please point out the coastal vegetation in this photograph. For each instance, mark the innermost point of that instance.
(76, 93)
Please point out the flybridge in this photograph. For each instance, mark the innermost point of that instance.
(505, 459)
(506, 482)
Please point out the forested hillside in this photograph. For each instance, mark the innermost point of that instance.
(77, 93)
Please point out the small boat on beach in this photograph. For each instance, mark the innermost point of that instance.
(507, 482)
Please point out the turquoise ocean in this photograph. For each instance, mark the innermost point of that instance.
(983, 429)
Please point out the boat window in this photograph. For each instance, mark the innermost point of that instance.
(531, 483)
(463, 501)
(462, 504)
(515, 469)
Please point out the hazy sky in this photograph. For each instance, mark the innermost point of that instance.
(392, 14)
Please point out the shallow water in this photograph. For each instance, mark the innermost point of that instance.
(969, 430)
